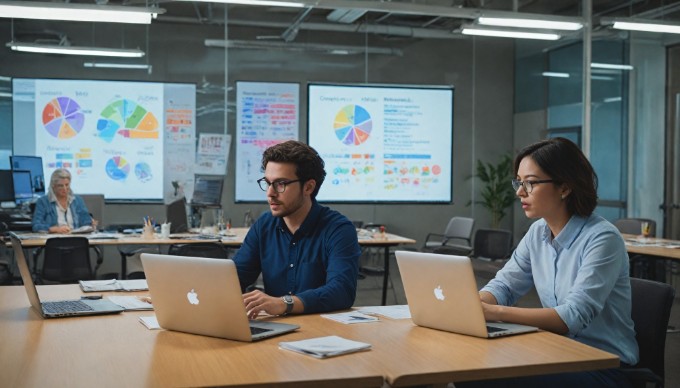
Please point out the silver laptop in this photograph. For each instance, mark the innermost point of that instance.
(441, 291)
(203, 296)
(57, 308)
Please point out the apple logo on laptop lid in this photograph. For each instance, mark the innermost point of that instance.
(192, 296)
(439, 293)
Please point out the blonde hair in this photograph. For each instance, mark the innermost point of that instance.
(57, 175)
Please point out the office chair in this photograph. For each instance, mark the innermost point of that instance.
(492, 248)
(633, 225)
(454, 241)
(211, 250)
(652, 302)
(66, 260)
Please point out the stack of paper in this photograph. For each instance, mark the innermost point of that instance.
(130, 302)
(324, 347)
(114, 285)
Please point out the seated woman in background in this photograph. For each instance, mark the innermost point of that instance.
(61, 211)
(576, 260)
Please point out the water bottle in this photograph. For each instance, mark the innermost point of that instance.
(248, 219)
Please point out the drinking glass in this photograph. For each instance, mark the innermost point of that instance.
(645, 229)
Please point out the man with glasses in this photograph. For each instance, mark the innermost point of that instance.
(308, 254)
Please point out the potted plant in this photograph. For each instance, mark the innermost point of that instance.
(497, 193)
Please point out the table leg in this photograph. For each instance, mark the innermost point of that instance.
(386, 274)
(123, 265)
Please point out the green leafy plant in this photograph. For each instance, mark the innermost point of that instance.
(497, 193)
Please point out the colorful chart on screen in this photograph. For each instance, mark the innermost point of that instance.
(117, 168)
(62, 118)
(128, 119)
(353, 125)
(143, 172)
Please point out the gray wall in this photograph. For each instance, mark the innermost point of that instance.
(480, 69)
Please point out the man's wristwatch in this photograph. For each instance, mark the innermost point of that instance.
(288, 300)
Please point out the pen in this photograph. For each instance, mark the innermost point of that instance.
(358, 318)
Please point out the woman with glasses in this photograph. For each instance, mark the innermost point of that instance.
(61, 211)
(307, 254)
(575, 259)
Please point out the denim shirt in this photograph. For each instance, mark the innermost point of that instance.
(583, 274)
(45, 214)
(319, 263)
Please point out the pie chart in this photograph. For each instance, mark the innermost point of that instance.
(117, 168)
(62, 118)
(352, 125)
(128, 119)
(143, 172)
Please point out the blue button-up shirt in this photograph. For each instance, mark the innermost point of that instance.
(319, 263)
(582, 274)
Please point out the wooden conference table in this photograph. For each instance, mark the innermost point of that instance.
(118, 351)
(234, 240)
(659, 247)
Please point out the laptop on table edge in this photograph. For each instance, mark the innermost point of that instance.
(56, 308)
(203, 296)
(441, 291)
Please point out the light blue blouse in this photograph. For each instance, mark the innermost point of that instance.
(582, 274)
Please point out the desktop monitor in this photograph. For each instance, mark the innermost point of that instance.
(176, 215)
(23, 191)
(208, 191)
(35, 166)
(6, 186)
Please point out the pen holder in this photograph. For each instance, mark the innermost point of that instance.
(147, 232)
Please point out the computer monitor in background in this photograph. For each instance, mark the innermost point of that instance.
(23, 191)
(6, 186)
(208, 191)
(176, 215)
(35, 166)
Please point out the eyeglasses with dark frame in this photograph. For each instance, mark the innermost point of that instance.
(279, 186)
(528, 186)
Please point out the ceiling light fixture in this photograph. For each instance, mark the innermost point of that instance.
(102, 65)
(555, 74)
(265, 3)
(345, 15)
(611, 66)
(75, 50)
(641, 25)
(474, 30)
(529, 23)
(77, 12)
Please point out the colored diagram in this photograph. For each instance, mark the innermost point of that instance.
(353, 125)
(117, 168)
(62, 118)
(143, 172)
(128, 119)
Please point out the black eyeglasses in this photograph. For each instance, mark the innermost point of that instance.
(279, 186)
(528, 186)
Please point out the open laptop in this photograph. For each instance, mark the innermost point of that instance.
(202, 296)
(57, 308)
(441, 291)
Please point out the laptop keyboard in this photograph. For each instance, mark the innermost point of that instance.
(258, 330)
(65, 306)
(494, 329)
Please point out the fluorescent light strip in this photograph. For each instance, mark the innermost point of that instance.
(529, 23)
(647, 27)
(75, 50)
(102, 65)
(265, 3)
(555, 74)
(509, 34)
(80, 13)
(6, 94)
(612, 66)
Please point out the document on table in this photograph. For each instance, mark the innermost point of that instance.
(350, 317)
(150, 322)
(130, 302)
(394, 312)
(114, 285)
(324, 347)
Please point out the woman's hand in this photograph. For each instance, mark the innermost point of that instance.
(61, 229)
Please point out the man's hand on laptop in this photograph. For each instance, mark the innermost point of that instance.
(257, 301)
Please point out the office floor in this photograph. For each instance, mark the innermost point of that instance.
(370, 292)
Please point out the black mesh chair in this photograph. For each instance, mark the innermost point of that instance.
(491, 250)
(210, 250)
(652, 302)
(66, 260)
